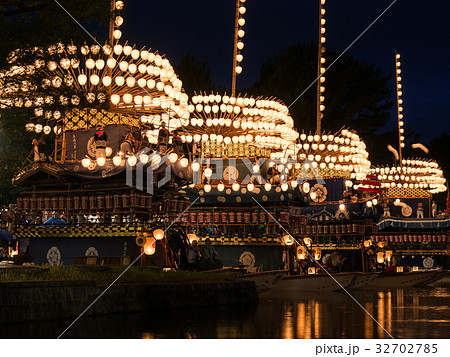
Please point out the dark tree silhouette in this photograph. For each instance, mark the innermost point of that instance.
(38, 23)
(357, 94)
(195, 74)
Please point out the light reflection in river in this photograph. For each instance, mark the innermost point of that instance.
(405, 313)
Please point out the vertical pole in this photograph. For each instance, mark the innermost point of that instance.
(236, 28)
(111, 39)
(363, 259)
(111, 23)
(319, 74)
(399, 117)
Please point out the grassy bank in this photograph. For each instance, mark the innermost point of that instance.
(107, 276)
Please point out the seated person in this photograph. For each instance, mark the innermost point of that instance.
(127, 145)
(396, 260)
(193, 257)
(177, 143)
(336, 260)
(210, 256)
(3, 254)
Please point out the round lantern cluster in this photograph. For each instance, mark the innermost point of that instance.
(413, 173)
(223, 119)
(342, 154)
(121, 79)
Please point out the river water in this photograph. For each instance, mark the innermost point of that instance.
(404, 313)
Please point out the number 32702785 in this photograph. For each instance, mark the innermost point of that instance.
(412, 348)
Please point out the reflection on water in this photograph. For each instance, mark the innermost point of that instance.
(405, 313)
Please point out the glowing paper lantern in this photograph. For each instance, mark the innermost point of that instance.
(158, 234)
(150, 246)
(288, 239)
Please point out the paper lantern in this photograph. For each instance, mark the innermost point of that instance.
(101, 161)
(150, 246)
(301, 254)
(184, 162)
(86, 162)
(158, 234)
(288, 239)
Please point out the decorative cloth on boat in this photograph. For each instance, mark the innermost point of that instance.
(399, 192)
(75, 232)
(413, 223)
(81, 119)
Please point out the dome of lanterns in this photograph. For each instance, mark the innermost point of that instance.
(413, 174)
(60, 82)
(121, 79)
(139, 87)
(409, 174)
(240, 121)
(342, 154)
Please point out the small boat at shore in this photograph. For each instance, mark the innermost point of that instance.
(442, 278)
(403, 280)
(265, 280)
(316, 282)
(363, 279)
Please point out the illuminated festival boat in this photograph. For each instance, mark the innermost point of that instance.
(410, 226)
(103, 106)
(236, 171)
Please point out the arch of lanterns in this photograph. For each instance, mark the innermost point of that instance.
(261, 122)
(119, 79)
(69, 87)
(412, 174)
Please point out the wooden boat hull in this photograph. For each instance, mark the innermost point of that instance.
(440, 279)
(440, 274)
(266, 280)
(403, 280)
(316, 282)
(362, 280)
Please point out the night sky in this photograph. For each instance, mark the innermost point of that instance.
(419, 30)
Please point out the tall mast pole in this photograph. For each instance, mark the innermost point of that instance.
(320, 107)
(236, 29)
(400, 122)
(111, 23)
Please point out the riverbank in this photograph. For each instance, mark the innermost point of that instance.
(48, 299)
(106, 275)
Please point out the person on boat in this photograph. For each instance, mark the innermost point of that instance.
(256, 176)
(193, 255)
(177, 143)
(337, 261)
(38, 148)
(3, 254)
(35, 151)
(210, 255)
(420, 210)
(386, 210)
(127, 145)
(434, 209)
(163, 138)
(273, 175)
(100, 139)
(396, 259)
(196, 149)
